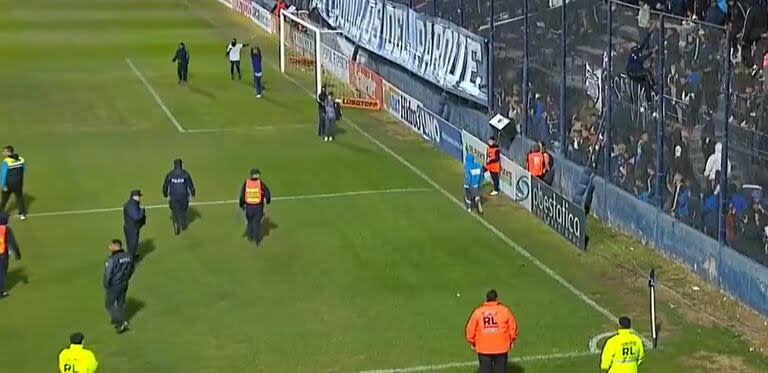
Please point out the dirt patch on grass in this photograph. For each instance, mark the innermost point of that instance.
(716, 363)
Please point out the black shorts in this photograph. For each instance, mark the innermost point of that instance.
(471, 193)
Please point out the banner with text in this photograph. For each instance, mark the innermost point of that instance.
(514, 181)
(261, 17)
(243, 7)
(335, 63)
(562, 215)
(366, 82)
(426, 123)
(437, 50)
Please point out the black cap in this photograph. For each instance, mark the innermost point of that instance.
(136, 192)
(76, 338)
(625, 322)
(491, 296)
(255, 172)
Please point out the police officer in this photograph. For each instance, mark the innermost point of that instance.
(182, 63)
(253, 195)
(76, 358)
(493, 163)
(7, 244)
(492, 332)
(178, 187)
(12, 180)
(624, 352)
(134, 217)
(118, 271)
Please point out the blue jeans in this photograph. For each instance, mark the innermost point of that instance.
(257, 83)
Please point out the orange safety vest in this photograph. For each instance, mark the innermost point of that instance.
(493, 166)
(3, 244)
(536, 164)
(491, 329)
(253, 192)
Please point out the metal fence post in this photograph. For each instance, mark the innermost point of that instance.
(491, 64)
(526, 94)
(461, 13)
(608, 95)
(660, 116)
(563, 112)
(723, 210)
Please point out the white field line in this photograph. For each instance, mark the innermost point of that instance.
(514, 245)
(464, 364)
(247, 129)
(156, 96)
(233, 201)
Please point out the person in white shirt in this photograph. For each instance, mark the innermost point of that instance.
(233, 51)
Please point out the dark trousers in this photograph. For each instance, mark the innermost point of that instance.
(321, 124)
(18, 193)
(257, 84)
(182, 69)
(495, 180)
(3, 270)
(234, 65)
(253, 216)
(645, 80)
(179, 209)
(115, 302)
(131, 239)
(492, 363)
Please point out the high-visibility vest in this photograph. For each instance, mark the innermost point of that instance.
(493, 153)
(536, 164)
(3, 244)
(491, 329)
(253, 192)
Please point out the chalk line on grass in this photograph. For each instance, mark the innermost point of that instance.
(156, 96)
(248, 129)
(234, 201)
(464, 364)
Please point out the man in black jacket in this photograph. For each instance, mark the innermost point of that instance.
(118, 271)
(178, 187)
(134, 218)
(7, 244)
(253, 195)
(182, 63)
(321, 98)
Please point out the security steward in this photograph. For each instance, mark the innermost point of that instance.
(134, 218)
(493, 163)
(536, 162)
(12, 173)
(178, 187)
(624, 352)
(548, 176)
(76, 358)
(118, 271)
(7, 245)
(492, 332)
(253, 195)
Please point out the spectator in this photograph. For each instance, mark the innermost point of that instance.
(731, 227)
(619, 165)
(738, 201)
(754, 34)
(636, 70)
(710, 214)
(643, 157)
(644, 15)
(677, 7)
(757, 219)
(692, 97)
(714, 162)
(717, 12)
(682, 196)
(647, 188)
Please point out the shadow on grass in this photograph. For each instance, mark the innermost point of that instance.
(16, 276)
(13, 205)
(132, 307)
(193, 215)
(146, 248)
(202, 92)
(267, 225)
(511, 368)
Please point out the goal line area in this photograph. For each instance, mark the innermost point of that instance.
(323, 58)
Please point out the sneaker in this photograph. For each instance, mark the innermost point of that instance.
(176, 229)
(494, 193)
(258, 96)
(469, 210)
(22, 217)
(3, 294)
(122, 328)
(479, 208)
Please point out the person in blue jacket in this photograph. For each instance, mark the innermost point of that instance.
(473, 177)
(256, 64)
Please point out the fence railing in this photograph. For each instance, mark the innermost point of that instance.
(674, 102)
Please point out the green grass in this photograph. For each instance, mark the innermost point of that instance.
(340, 284)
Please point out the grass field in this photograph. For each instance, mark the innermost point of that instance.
(368, 263)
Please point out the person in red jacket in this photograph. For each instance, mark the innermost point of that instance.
(492, 332)
(279, 7)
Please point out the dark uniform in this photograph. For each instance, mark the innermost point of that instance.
(253, 195)
(178, 187)
(12, 172)
(321, 98)
(134, 218)
(118, 271)
(182, 63)
(7, 244)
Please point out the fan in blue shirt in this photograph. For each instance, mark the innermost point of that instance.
(473, 177)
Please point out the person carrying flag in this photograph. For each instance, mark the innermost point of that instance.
(473, 177)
